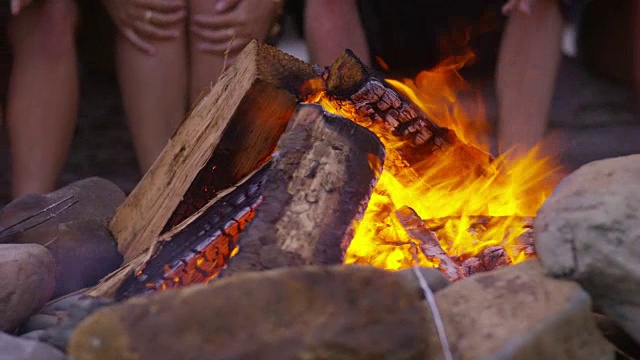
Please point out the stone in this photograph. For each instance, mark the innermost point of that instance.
(519, 313)
(588, 231)
(77, 236)
(338, 312)
(96, 199)
(26, 282)
(15, 348)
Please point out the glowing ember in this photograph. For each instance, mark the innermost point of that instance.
(468, 208)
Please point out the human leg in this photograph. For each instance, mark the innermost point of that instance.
(527, 68)
(152, 72)
(219, 30)
(43, 94)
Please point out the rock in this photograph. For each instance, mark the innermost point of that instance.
(339, 312)
(15, 348)
(96, 199)
(589, 231)
(77, 236)
(518, 313)
(26, 282)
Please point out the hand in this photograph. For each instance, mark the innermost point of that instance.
(141, 21)
(523, 6)
(18, 5)
(234, 25)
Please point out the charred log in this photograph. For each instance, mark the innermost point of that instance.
(323, 175)
(198, 251)
(357, 94)
(428, 242)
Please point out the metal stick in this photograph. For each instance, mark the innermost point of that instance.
(433, 306)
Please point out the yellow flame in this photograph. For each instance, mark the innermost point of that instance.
(443, 193)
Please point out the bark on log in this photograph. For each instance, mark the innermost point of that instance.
(323, 175)
(230, 132)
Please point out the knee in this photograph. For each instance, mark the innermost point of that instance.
(48, 28)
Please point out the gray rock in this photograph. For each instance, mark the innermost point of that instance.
(15, 348)
(339, 312)
(26, 282)
(77, 237)
(589, 231)
(519, 313)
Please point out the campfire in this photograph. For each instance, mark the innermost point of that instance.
(476, 210)
(295, 192)
(326, 166)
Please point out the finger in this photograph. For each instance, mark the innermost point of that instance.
(162, 5)
(213, 35)
(525, 6)
(165, 19)
(226, 5)
(138, 42)
(227, 20)
(151, 31)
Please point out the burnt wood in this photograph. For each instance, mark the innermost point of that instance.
(357, 94)
(197, 252)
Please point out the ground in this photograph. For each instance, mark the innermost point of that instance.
(595, 120)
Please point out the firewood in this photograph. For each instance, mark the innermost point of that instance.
(323, 175)
(358, 94)
(229, 133)
(197, 250)
(205, 240)
(428, 242)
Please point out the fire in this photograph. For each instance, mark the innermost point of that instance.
(468, 209)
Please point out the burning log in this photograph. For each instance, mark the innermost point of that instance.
(491, 258)
(324, 172)
(198, 249)
(428, 242)
(353, 90)
(229, 133)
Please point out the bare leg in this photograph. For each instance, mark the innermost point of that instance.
(43, 94)
(528, 64)
(332, 26)
(206, 67)
(215, 32)
(154, 92)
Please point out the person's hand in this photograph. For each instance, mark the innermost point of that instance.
(142, 21)
(523, 6)
(234, 25)
(18, 5)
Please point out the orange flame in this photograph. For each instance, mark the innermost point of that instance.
(449, 197)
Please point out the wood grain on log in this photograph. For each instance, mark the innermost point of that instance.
(324, 172)
(234, 129)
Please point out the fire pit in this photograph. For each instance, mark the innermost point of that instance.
(284, 173)
(421, 191)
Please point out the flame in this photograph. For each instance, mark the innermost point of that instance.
(469, 209)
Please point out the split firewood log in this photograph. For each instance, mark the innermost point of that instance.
(230, 133)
